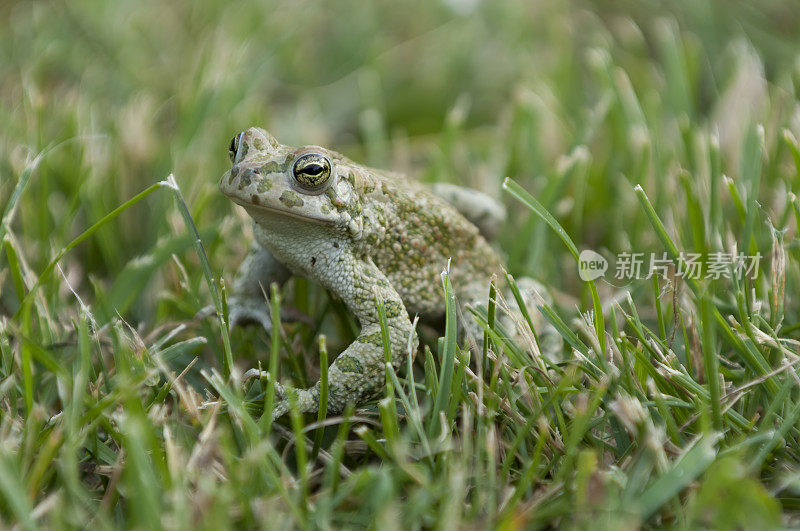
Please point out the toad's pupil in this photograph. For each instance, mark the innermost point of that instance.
(313, 169)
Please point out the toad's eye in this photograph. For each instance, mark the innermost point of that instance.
(312, 171)
(234, 147)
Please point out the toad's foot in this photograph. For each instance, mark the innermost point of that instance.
(242, 312)
(306, 400)
(247, 311)
(356, 375)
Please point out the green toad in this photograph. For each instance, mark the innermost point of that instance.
(363, 234)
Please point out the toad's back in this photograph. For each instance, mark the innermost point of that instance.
(410, 234)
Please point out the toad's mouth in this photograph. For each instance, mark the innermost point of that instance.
(261, 211)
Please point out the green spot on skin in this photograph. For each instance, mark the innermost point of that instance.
(245, 180)
(264, 185)
(271, 167)
(291, 199)
(373, 338)
(349, 364)
(354, 209)
(393, 308)
(259, 144)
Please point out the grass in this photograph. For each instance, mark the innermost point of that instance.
(616, 127)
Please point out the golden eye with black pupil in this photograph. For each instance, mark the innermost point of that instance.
(312, 171)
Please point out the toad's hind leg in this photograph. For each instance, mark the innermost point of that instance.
(511, 320)
(482, 210)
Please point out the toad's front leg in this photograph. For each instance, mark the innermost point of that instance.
(359, 373)
(248, 303)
